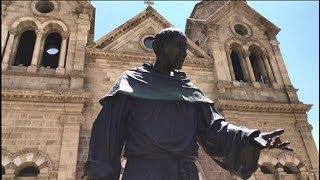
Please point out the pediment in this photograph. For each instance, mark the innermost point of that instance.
(247, 12)
(128, 38)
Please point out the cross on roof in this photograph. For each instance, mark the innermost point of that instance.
(149, 2)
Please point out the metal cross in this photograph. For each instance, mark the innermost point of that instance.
(149, 2)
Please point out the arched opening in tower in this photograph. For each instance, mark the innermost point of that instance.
(25, 49)
(29, 171)
(50, 57)
(238, 73)
(257, 69)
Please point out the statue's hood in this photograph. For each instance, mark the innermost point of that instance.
(147, 83)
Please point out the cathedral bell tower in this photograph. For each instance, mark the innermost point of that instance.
(252, 85)
(43, 55)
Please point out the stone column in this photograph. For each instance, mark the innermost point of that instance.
(8, 49)
(244, 69)
(82, 33)
(62, 55)
(78, 61)
(220, 62)
(309, 146)
(250, 69)
(278, 58)
(230, 65)
(4, 36)
(9, 174)
(70, 141)
(8, 177)
(268, 68)
(280, 173)
(36, 52)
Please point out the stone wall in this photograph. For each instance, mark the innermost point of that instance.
(28, 125)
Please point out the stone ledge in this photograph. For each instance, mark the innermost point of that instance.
(263, 106)
(44, 96)
(194, 62)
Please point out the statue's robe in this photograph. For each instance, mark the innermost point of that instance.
(161, 119)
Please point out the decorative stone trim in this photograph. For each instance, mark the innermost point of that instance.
(195, 62)
(286, 157)
(142, 42)
(42, 72)
(6, 158)
(44, 96)
(149, 12)
(56, 9)
(232, 28)
(266, 157)
(27, 156)
(263, 106)
(243, 7)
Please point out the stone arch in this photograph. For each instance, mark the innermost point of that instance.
(257, 57)
(238, 48)
(236, 62)
(54, 26)
(21, 25)
(35, 157)
(234, 43)
(24, 23)
(26, 165)
(289, 158)
(257, 44)
(267, 158)
(54, 32)
(267, 165)
(6, 158)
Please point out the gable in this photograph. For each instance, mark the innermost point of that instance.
(129, 37)
(247, 12)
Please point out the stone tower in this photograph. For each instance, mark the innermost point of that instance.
(252, 86)
(43, 53)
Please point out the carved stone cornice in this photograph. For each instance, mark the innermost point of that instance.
(194, 62)
(44, 96)
(298, 108)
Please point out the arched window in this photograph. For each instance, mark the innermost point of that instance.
(25, 48)
(268, 168)
(50, 56)
(258, 65)
(290, 168)
(29, 171)
(236, 64)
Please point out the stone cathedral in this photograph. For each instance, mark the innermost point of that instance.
(54, 73)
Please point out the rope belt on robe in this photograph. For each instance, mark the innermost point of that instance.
(180, 159)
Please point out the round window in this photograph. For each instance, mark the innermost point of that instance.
(148, 42)
(44, 6)
(241, 29)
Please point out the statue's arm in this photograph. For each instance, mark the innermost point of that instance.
(106, 142)
(232, 147)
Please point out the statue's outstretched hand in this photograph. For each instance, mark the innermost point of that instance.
(271, 140)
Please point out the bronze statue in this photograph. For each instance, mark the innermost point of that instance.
(161, 117)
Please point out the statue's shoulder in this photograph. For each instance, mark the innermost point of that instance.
(145, 68)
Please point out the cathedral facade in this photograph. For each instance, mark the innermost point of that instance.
(54, 73)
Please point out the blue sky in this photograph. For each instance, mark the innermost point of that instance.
(299, 37)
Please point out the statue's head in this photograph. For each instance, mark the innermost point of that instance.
(170, 46)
